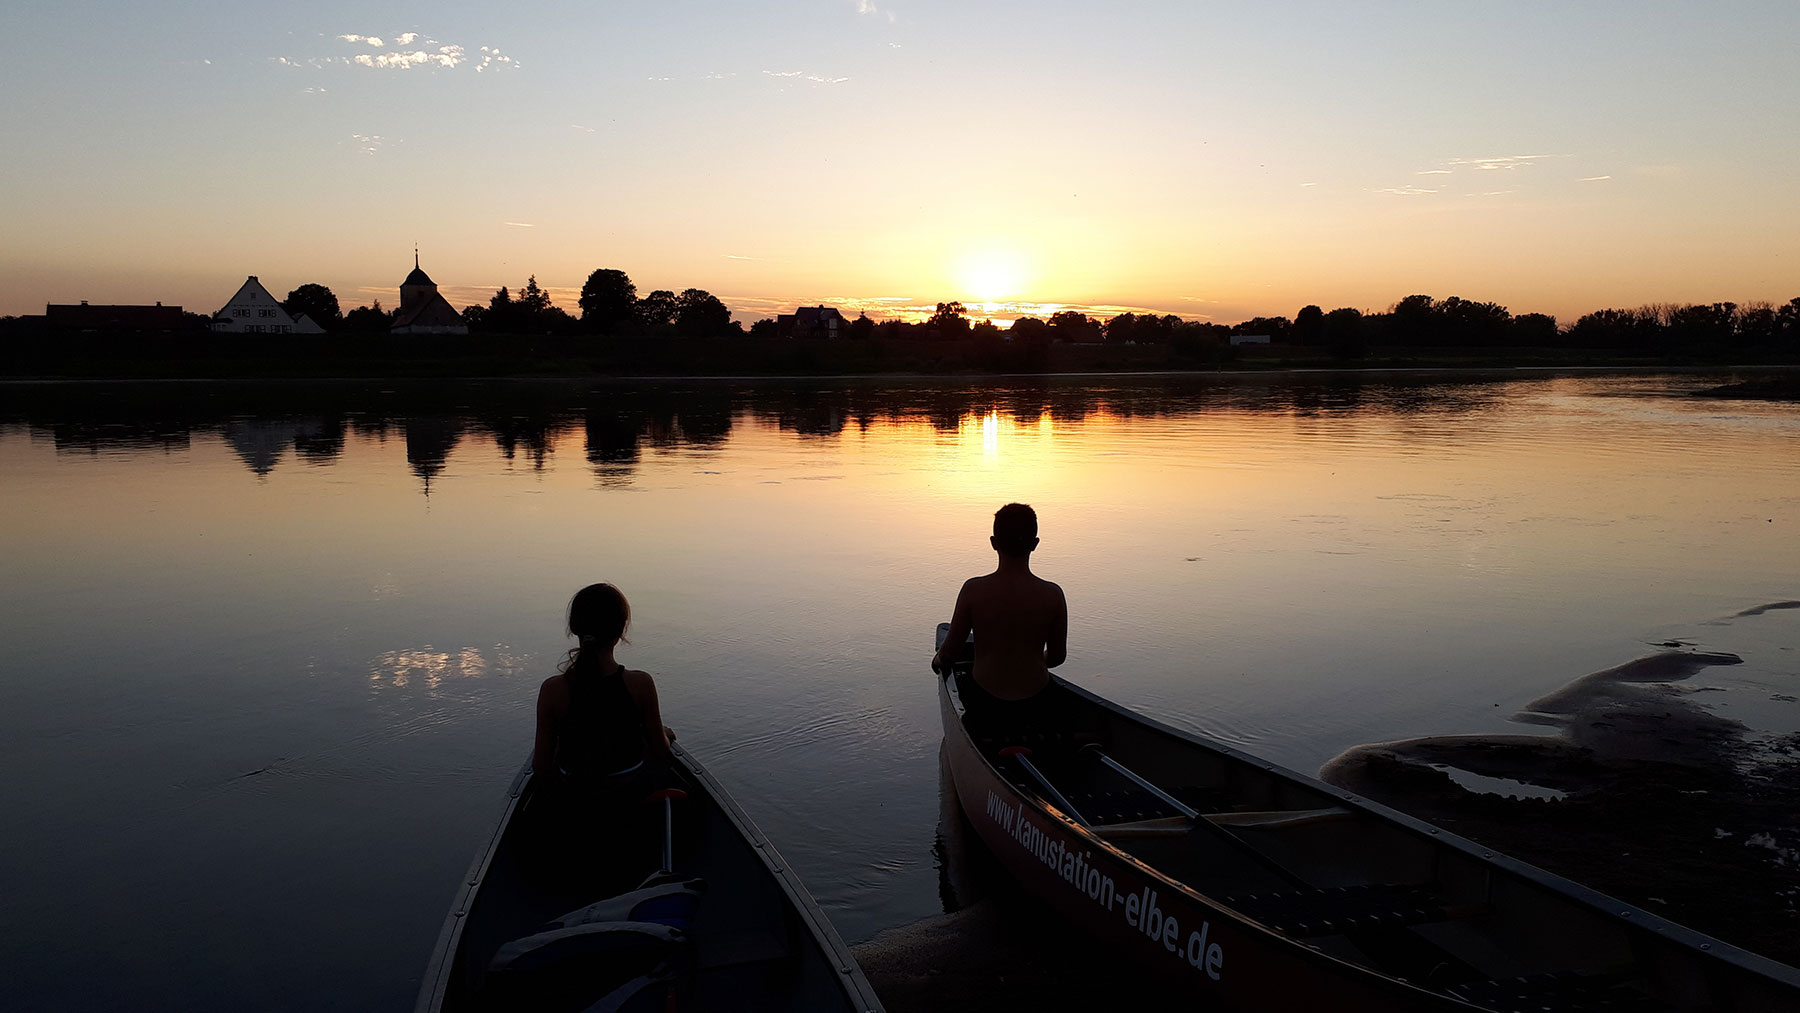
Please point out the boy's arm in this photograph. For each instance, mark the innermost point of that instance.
(958, 634)
(1056, 646)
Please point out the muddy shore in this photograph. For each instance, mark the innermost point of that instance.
(1644, 793)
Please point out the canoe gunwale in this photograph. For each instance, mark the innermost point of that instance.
(802, 900)
(443, 953)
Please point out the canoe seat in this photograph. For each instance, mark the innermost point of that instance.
(1303, 913)
(1562, 991)
(1130, 805)
(664, 898)
(578, 957)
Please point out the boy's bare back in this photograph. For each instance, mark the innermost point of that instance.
(1021, 624)
(1020, 620)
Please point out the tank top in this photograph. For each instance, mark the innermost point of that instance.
(603, 731)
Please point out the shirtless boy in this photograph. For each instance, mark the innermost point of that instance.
(1021, 621)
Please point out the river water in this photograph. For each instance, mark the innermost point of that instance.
(271, 650)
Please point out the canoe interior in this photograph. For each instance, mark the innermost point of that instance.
(760, 942)
(1365, 889)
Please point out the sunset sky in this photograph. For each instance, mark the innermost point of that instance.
(1214, 160)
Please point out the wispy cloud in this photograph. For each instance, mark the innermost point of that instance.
(521, 225)
(1592, 179)
(867, 7)
(449, 57)
(1500, 163)
(1434, 172)
(431, 54)
(1310, 184)
(1405, 191)
(733, 256)
(802, 75)
(368, 144)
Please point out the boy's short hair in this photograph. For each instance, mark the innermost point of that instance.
(1015, 529)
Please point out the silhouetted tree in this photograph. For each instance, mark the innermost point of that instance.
(1074, 327)
(862, 328)
(656, 312)
(1533, 330)
(985, 331)
(1309, 326)
(1756, 327)
(317, 302)
(1120, 329)
(1465, 322)
(1278, 329)
(534, 302)
(700, 314)
(368, 319)
(1636, 331)
(1410, 321)
(950, 321)
(764, 329)
(1345, 334)
(608, 302)
(1030, 330)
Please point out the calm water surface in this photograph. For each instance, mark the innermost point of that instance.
(271, 650)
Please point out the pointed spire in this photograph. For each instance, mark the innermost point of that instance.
(415, 255)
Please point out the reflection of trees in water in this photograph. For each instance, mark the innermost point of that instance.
(618, 419)
(429, 442)
(115, 437)
(319, 441)
(531, 434)
(612, 444)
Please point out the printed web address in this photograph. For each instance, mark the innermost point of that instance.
(1142, 912)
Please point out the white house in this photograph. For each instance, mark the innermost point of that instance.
(254, 311)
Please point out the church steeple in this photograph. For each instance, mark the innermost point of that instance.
(418, 288)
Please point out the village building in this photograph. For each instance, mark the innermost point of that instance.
(423, 310)
(812, 322)
(253, 310)
(96, 318)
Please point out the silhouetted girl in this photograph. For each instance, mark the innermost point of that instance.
(598, 721)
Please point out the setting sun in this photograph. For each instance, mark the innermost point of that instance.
(989, 275)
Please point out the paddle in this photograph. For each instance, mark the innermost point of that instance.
(1022, 756)
(667, 797)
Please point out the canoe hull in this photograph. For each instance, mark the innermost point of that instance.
(760, 939)
(1158, 926)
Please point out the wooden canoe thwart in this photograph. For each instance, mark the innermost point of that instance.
(561, 913)
(1252, 887)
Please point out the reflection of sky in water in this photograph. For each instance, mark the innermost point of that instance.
(430, 668)
(1294, 566)
(1763, 693)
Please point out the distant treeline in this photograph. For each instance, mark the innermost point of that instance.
(524, 331)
